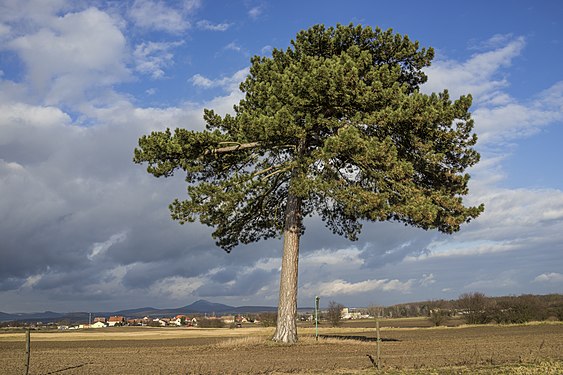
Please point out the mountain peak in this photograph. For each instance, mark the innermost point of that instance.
(206, 306)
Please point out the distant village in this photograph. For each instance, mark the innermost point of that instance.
(177, 321)
(233, 321)
(184, 320)
(197, 320)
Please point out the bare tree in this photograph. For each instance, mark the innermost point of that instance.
(334, 313)
(474, 307)
(375, 310)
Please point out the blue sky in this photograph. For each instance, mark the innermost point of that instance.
(83, 228)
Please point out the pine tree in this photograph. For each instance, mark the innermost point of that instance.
(333, 126)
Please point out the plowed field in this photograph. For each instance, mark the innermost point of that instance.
(131, 350)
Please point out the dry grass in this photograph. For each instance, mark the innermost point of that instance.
(265, 340)
(133, 333)
(517, 349)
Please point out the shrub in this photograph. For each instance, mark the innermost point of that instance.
(210, 323)
(438, 317)
(269, 319)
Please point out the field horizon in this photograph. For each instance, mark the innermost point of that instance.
(532, 348)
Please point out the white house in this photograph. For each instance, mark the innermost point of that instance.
(98, 325)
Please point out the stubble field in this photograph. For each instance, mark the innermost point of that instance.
(521, 349)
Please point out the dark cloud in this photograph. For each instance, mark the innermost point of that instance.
(245, 284)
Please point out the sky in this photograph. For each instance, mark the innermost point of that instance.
(83, 228)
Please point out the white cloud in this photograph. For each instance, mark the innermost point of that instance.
(73, 53)
(267, 49)
(503, 281)
(37, 11)
(208, 25)
(342, 287)
(152, 57)
(231, 83)
(157, 15)
(13, 115)
(109, 282)
(201, 81)
(268, 264)
(256, 11)
(99, 248)
(31, 281)
(233, 47)
(350, 257)
(4, 30)
(177, 287)
(550, 277)
(496, 41)
(427, 280)
(505, 121)
(190, 6)
(450, 248)
(478, 75)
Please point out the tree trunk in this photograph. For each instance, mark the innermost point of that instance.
(286, 330)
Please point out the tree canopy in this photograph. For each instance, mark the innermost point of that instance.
(335, 126)
(343, 109)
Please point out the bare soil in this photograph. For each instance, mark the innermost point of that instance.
(248, 351)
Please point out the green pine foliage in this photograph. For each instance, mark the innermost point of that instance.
(336, 120)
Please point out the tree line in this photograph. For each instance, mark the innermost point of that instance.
(477, 308)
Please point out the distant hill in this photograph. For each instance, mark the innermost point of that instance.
(203, 306)
(46, 316)
(198, 307)
(4, 317)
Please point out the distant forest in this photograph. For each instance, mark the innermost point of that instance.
(477, 308)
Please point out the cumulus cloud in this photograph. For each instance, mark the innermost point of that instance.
(158, 15)
(506, 121)
(228, 83)
(341, 257)
(342, 287)
(177, 287)
(152, 57)
(71, 54)
(550, 277)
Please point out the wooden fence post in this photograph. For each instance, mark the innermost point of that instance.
(378, 344)
(27, 349)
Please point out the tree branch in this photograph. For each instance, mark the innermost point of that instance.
(238, 146)
(276, 172)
